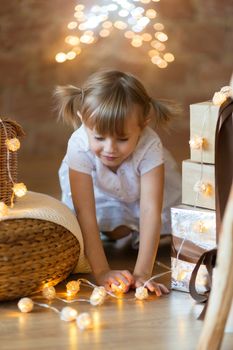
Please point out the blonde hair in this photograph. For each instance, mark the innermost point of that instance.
(106, 99)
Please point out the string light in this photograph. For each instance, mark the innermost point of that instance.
(141, 293)
(60, 57)
(181, 275)
(13, 144)
(72, 288)
(84, 321)
(68, 314)
(19, 189)
(169, 57)
(200, 227)
(98, 296)
(25, 305)
(121, 288)
(203, 188)
(196, 142)
(49, 292)
(123, 15)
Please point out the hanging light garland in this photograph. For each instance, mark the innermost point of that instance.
(18, 189)
(133, 17)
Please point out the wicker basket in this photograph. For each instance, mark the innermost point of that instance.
(34, 253)
(8, 129)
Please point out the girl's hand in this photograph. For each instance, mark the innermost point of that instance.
(116, 277)
(152, 286)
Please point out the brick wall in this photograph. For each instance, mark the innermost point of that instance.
(33, 31)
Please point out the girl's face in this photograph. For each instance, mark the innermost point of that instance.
(114, 150)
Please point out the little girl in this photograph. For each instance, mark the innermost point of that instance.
(113, 171)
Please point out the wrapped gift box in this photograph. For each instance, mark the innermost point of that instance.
(203, 120)
(198, 184)
(193, 232)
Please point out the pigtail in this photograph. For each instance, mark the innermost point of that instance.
(69, 100)
(165, 112)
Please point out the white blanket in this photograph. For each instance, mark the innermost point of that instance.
(40, 206)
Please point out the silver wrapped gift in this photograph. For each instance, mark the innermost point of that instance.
(193, 232)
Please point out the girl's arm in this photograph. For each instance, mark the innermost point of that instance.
(151, 201)
(84, 203)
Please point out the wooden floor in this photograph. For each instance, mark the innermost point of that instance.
(167, 323)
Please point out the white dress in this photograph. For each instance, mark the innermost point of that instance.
(117, 194)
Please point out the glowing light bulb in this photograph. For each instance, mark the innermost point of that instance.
(123, 13)
(84, 321)
(49, 293)
(72, 25)
(25, 305)
(227, 91)
(157, 45)
(146, 37)
(3, 209)
(141, 293)
(98, 296)
(70, 55)
(162, 64)
(136, 41)
(104, 33)
(200, 227)
(169, 57)
(156, 59)
(120, 25)
(19, 189)
(72, 40)
(68, 314)
(203, 188)
(181, 275)
(219, 98)
(151, 13)
(60, 57)
(202, 280)
(79, 7)
(161, 36)
(153, 53)
(13, 144)
(77, 50)
(107, 25)
(73, 287)
(196, 142)
(86, 39)
(121, 288)
(129, 34)
(158, 26)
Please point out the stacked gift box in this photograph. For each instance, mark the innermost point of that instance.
(194, 221)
